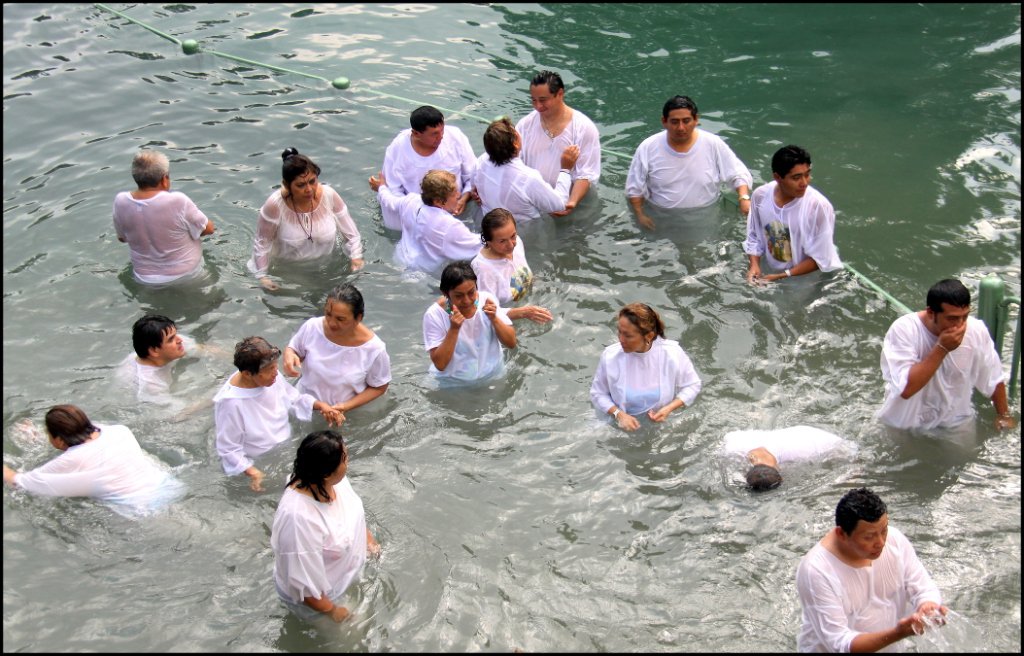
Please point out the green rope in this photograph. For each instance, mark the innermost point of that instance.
(884, 294)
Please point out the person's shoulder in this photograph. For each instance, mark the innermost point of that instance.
(401, 139)
(527, 120)
(583, 119)
(766, 188)
(456, 130)
(815, 196)
(612, 350)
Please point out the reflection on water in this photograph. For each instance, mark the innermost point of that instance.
(510, 515)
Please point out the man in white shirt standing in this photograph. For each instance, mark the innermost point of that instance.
(932, 359)
(856, 584)
(428, 144)
(683, 167)
(553, 126)
(161, 227)
(791, 224)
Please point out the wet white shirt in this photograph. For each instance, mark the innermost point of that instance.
(516, 187)
(112, 468)
(945, 400)
(638, 382)
(477, 351)
(146, 383)
(333, 373)
(285, 234)
(838, 601)
(431, 237)
(508, 280)
(250, 422)
(784, 236)
(669, 179)
(788, 444)
(319, 548)
(162, 233)
(541, 152)
(404, 168)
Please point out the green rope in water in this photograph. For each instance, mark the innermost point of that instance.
(191, 47)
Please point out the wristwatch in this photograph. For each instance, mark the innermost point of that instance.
(745, 197)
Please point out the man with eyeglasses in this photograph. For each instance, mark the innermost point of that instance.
(932, 359)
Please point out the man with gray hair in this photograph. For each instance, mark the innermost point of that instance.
(161, 227)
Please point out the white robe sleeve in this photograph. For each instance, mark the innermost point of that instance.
(588, 166)
(61, 477)
(600, 394)
(299, 559)
(636, 179)
(230, 427)
(346, 226)
(822, 607)
(546, 199)
(266, 233)
(687, 381)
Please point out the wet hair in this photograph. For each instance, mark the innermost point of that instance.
(437, 185)
(425, 117)
(295, 165)
(500, 141)
(950, 291)
(679, 102)
(787, 157)
(644, 318)
(496, 218)
(149, 167)
(149, 332)
(252, 354)
(70, 424)
(456, 273)
(318, 457)
(550, 78)
(761, 478)
(857, 505)
(350, 296)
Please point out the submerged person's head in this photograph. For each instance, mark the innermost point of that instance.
(761, 478)
(320, 462)
(69, 424)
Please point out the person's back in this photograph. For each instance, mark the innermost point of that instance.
(161, 227)
(112, 468)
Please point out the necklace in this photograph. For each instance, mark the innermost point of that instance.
(307, 227)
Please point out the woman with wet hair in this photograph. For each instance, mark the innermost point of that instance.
(103, 461)
(319, 535)
(301, 221)
(643, 372)
(340, 360)
(501, 266)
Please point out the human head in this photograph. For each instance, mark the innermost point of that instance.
(425, 117)
(857, 505)
(150, 332)
(644, 318)
(501, 141)
(295, 166)
(493, 220)
(253, 354)
(317, 463)
(552, 80)
(454, 274)
(787, 157)
(348, 295)
(679, 102)
(950, 291)
(437, 187)
(69, 424)
(761, 478)
(149, 168)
